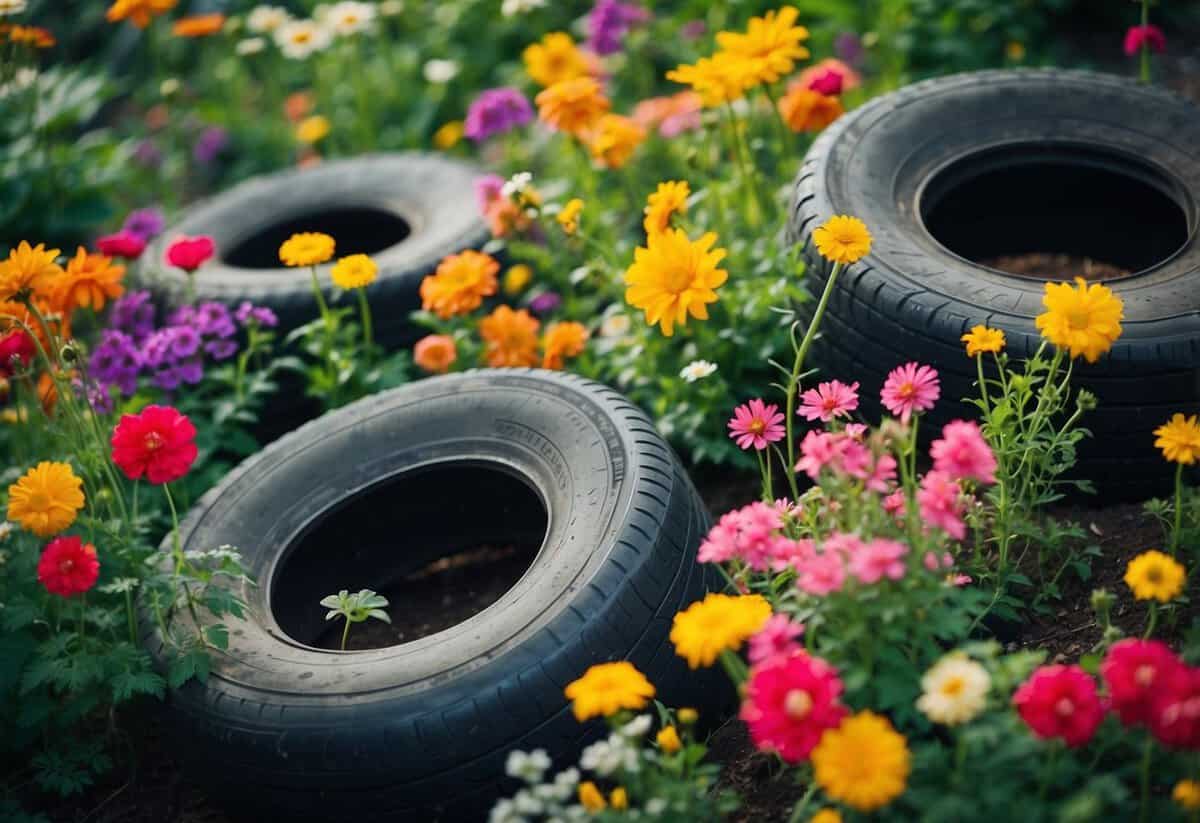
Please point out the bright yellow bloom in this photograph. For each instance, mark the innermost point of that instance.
(1153, 575)
(46, 499)
(619, 799)
(826, 816)
(805, 110)
(590, 797)
(719, 79)
(308, 248)
(1187, 794)
(673, 277)
(981, 339)
(460, 283)
(138, 12)
(771, 43)
(88, 282)
(863, 763)
(313, 129)
(29, 268)
(843, 239)
(568, 218)
(354, 272)
(954, 690)
(510, 338)
(688, 716)
(719, 622)
(554, 59)
(449, 135)
(572, 106)
(614, 140)
(562, 340)
(1179, 439)
(668, 199)
(607, 688)
(517, 278)
(668, 740)
(1085, 320)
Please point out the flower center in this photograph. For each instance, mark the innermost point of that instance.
(907, 390)
(1079, 319)
(66, 566)
(1144, 675)
(757, 426)
(1064, 707)
(797, 704)
(677, 279)
(39, 501)
(301, 37)
(1154, 575)
(154, 441)
(953, 687)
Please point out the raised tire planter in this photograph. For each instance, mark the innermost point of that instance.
(959, 170)
(407, 211)
(368, 496)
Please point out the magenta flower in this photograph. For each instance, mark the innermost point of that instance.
(963, 454)
(822, 574)
(496, 111)
(1147, 36)
(487, 190)
(777, 638)
(895, 504)
(829, 400)
(882, 474)
(608, 22)
(747, 534)
(910, 388)
(941, 506)
(879, 559)
(817, 450)
(756, 424)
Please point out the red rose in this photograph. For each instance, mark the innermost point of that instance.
(17, 343)
(124, 244)
(68, 566)
(159, 443)
(190, 253)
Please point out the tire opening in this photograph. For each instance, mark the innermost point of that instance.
(442, 543)
(358, 230)
(1057, 212)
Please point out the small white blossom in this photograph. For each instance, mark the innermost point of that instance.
(391, 8)
(528, 767)
(615, 325)
(516, 184)
(266, 19)
(524, 802)
(298, 39)
(511, 8)
(349, 17)
(5, 526)
(608, 756)
(251, 45)
(169, 86)
(567, 779)
(11, 7)
(697, 370)
(656, 806)
(505, 812)
(438, 72)
(636, 727)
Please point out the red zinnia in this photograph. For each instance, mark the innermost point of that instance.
(1175, 718)
(159, 443)
(1060, 701)
(124, 244)
(790, 702)
(190, 253)
(68, 566)
(1137, 673)
(16, 344)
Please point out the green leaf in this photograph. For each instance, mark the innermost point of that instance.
(217, 635)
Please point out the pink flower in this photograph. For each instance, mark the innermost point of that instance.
(487, 190)
(792, 554)
(777, 638)
(853, 458)
(124, 244)
(817, 450)
(940, 505)
(879, 559)
(855, 431)
(747, 534)
(882, 475)
(958, 580)
(963, 454)
(1147, 36)
(829, 77)
(843, 545)
(910, 388)
(821, 574)
(756, 424)
(934, 563)
(1175, 718)
(190, 253)
(895, 504)
(1136, 673)
(829, 400)
(1060, 701)
(790, 703)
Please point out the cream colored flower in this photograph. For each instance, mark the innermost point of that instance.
(438, 72)
(954, 691)
(266, 19)
(615, 325)
(298, 39)
(349, 17)
(251, 45)
(697, 370)
(11, 7)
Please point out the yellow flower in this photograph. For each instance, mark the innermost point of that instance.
(562, 340)
(138, 12)
(448, 135)
(307, 249)
(614, 140)
(313, 129)
(719, 79)
(590, 797)
(770, 43)
(568, 218)
(826, 816)
(688, 716)
(1179, 439)
(607, 688)
(843, 239)
(668, 199)
(863, 763)
(572, 106)
(29, 268)
(554, 59)
(510, 338)
(954, 690)
(619, 799)
(1085, 320)
(668, 740)
(1015, 51)
(718, 623)
(517, 278)
(673, 277)
(981, 339)
(354, 272)
(46, 499)
(805, 110)
(1187, 794)
(1153, 575)
(460, 283)
(88, 282)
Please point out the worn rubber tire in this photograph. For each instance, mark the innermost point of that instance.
(421, 730)
(431, 192)
(912, 299)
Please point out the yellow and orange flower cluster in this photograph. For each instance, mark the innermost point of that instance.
(33, 274)
(460, 284)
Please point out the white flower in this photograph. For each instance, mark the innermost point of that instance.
(567, 779)
(23, 79)
(954, 690)
(440, 71)
(528, 767)
(697, 370)
(11, 7)
(525, 803)
(656, 806)
(615, 325)
(608, 756)
(298, 39)
(349, 17)
(169, 86)
(505, 812)
(636, 727)
(516, 184)
(391, 8)
(251, 45)
(266, 19)
(511, 8)
(5, 526)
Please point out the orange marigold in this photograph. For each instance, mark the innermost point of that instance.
(562, 340)
(614, 140)
(435, 353)
(201, 25)
(554, 59)
(89, 281)
(572, 106)
(138, 12)
(807, 110)
(460, 283)
(35, 36)
(510, 337)
(29, 268)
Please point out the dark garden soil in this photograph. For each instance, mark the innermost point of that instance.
(1055, 267)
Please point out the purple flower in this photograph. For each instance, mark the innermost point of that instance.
(545, 303)
(185, 340)
(608, 22)
(248, 313)
(133, 313)
(116, 361)
(221, 349)
(210, 319)
(848, 48)
(147, 153)
(693, 30)
(145, 223)
(209, 145)
(98, 395)
(496, 111)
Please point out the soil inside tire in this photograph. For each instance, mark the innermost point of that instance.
(1056, 267)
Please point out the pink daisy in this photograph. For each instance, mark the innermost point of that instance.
(895, 504)
(821, 574)
(910, 388)
(879, 559)
(882, 474)
(853, 458)
(855, 431)
(941, 506)
(756, 425)
(747, 534)
(962, 453)
(790, 554)
(817, 450)
(829, 400)
(777, 638)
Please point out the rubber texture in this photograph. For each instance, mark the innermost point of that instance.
(421, 730)
(912, 299)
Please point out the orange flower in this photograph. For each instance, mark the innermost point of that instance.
(47, 393)
(807, 110)
(297, 105)
(35, 36)
(572, 106)
(435, 353)
(562, 340)
(554, 59)
(460, 284)
(17, 315)
(138, 12)
(89, 281)
(510, 337)
(201, 25)
(505, 217)
(29, 268)
(615, 139)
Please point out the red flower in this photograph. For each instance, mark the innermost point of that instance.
(159, 443)
(17, 343)
(1060, 701)
(1175, 718)
(1138, 673)
(1150, 36)
(790, 702)
(124, 244)
(190, 253)
(68, 566)
(827, 81)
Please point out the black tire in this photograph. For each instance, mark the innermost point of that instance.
(363, 202)
(951, 157)
(419, 731)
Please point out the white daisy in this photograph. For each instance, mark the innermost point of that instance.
(298, 39)
(527, 766)
(511, 8)
(251, 45)
(954, 690)
(697, 370)
(615, 325)
(266, 19)
(438, 72)
(349, 17)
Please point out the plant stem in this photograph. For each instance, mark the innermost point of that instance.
(364, 309)
(1145, 56)
(1153, 621)
(1178, 509)
(129, 613)
(345, 633)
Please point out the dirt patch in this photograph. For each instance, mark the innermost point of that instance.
(1055, 267)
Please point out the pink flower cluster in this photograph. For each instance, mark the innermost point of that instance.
(791, 700)
(750, 535)
(846, 455)
(961, 453)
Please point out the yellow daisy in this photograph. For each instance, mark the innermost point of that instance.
(354, 272)
(674, 277)
(668, 199)
(1084, 320)
(1179, 439)
(719, 79)
(863, 763)
(554, 59)
(29, 268)
(981, 339)
(46, 499)
(843, 239)
(770, 43)
(1153, 575)
(307, 249)
(719, 622)
(608, 688)
(568, 219)
(614, 140)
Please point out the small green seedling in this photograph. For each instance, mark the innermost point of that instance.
(355, 608)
